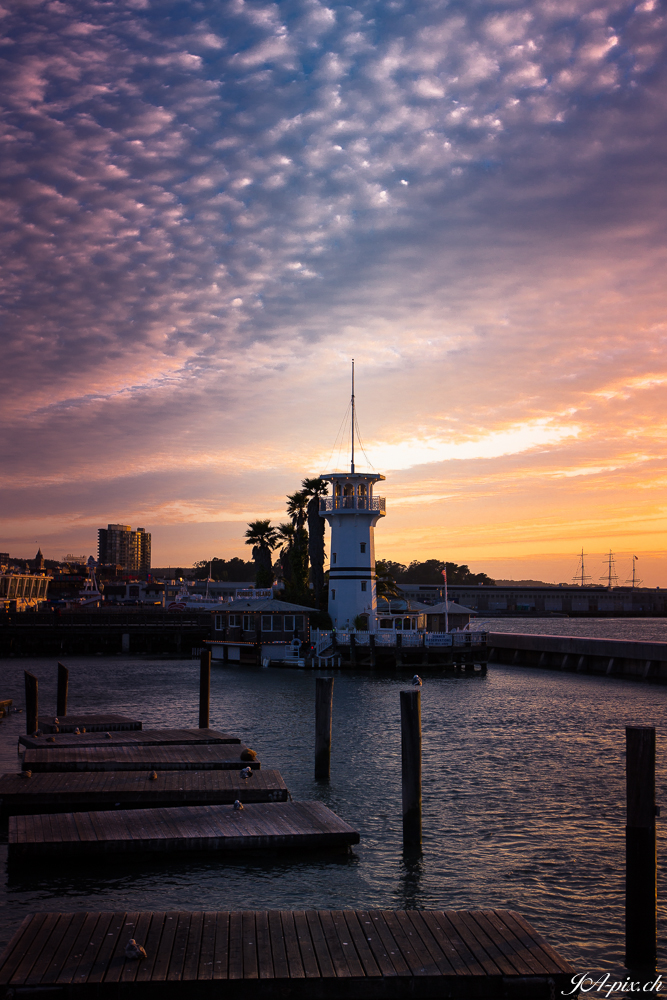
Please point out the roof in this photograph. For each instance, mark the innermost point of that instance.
(446, 607)
(268, 604)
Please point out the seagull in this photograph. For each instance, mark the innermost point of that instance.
(246, 772)
(248, 754)
(77, 731)
(50, 739)
(26, 774)
(134, 950)
(56, 721)
(417, 681)
(153, 776)
(237, 805)
(108, 736)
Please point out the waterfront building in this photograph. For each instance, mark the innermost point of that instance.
(119, 545)
(23, 591)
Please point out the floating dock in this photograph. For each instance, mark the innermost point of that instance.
(262, 825)
(309, 954)
(219, 756)
(76, 792)
(91, 723)
(144, 737)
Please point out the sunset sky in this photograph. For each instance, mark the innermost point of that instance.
(209, 208)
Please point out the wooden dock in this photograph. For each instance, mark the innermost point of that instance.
(309, 954)
(143, 737)
(219, 756)
(76, 792)
(258, 826)
(91, 723)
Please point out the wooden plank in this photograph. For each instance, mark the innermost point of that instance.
(406, 942)
(278, 952)
(334, 947)
(79, 791)
(24, 947)
(179, 948)
(361, 944)
(264, 958)
(552, 961)
(221, 960)
(145, 737)
(151, 945)
(235, 970)
(191, 964)
(218, 756)
(163, 955)
(43, 963)
(345, 938)
(308, 959)
(391, 948)
(478, 960)
(207, 950)
(518, 955)
(107, 948)
(444, 954)
(14, 945)
(89, 955)
(249, 945)
(275, 825)
(78, 950)
(90, 723)
(292, 951)
(324, 961)
(489, 945)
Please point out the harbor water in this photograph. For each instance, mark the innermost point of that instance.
(523, 787)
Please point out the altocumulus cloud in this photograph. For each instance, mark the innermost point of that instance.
(204, 205)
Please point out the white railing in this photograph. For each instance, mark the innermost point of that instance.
(387, 637)
(353, 503)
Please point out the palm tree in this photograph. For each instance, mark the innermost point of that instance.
(297, 505)
(262, 536)
(314, 489)
(285, 534)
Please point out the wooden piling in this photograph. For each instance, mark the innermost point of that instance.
(31, 703)
(399, 649)
(640, 850)
(411, 758)
(63, 685)
(204, 688)
(323, 715)
(371, 646)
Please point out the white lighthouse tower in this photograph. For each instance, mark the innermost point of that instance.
(352, 513)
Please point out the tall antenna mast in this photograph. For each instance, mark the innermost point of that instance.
(352, 461)
(635, 579)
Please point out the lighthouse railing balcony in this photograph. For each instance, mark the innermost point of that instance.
(353, 503)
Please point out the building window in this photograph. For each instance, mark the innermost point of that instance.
(235, 621)
(333, 595)
(248, 623)
(362, 546)
(298, 622)
(218, 623)
(334, 557)
(363, 585)
(289, 623)
(266, 623)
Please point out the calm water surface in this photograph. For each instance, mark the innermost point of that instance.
(523, 795)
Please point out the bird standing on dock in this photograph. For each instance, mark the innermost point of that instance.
(248, 754)
(108, 736)
(134, 950)
(417, 681)
(26, 774)
(238, 805)
(153, 776)
(246, 773)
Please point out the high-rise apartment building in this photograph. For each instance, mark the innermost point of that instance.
(119, 545)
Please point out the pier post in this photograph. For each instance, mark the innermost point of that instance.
(31, 703)
(411, 759)
(204, 688)
(371, 646)
(640, 850)
(353, 649)
(63, 684)
(399, 649)
(323, 715)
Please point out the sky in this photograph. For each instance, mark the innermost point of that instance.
(209, 208)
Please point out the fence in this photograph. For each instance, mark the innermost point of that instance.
(387, 637)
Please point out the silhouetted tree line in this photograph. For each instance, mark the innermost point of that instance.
(430, 571)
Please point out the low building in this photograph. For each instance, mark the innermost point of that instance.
(259, 630)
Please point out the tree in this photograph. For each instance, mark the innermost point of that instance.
(314, 489)
(385, 583)
(234, 569)
(285, 534)
(430, 571)
(262, 536)
(297, 506)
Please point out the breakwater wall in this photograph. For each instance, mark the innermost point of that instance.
(624, 658)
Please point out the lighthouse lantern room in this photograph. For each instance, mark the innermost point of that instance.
(352, 511)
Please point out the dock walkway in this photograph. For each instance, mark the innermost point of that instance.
(144, 737)
(309, 954)
(219, 756)
(91, 723)
(93, 790)
(263, 825)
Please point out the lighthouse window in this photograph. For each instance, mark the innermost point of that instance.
(334, 556)
(363, 584)
(333, 595)
(362, 546)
